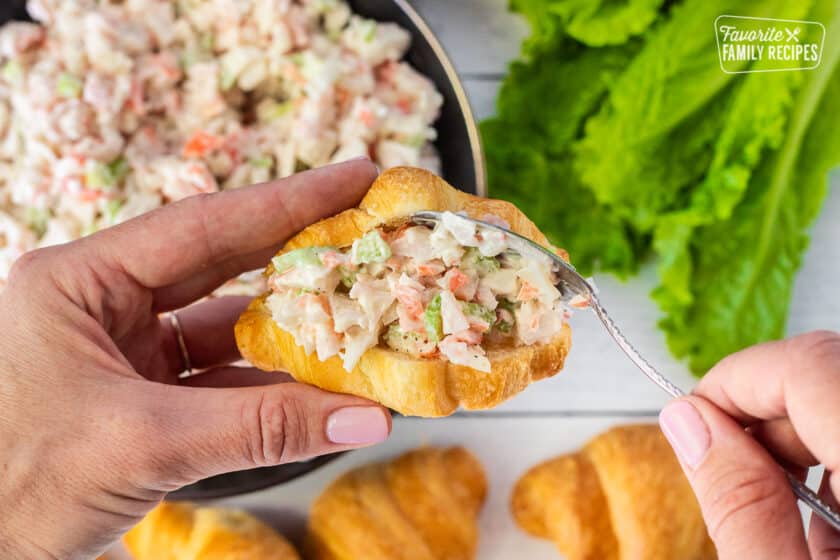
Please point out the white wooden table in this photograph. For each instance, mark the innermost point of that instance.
(599, 386)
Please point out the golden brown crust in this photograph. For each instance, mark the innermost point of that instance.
(623, 496)
(183, 531)
(411, 386)
(421, 506)
(562, 500)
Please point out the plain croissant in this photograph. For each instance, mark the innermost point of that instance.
(421, 506)
(183, 531)
(622, 497)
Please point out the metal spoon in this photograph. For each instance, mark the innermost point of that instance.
(573, 286)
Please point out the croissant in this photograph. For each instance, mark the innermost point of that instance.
(411, 382)
(622, 497)
(421, 506)
(184, 531)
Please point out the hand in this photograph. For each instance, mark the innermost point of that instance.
(787, 394)
(94, 426)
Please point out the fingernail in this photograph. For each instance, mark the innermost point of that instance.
(686, 431)
(357, 425)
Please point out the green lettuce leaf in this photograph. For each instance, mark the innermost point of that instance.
(594, 236)
(648, 144)
(594, 23)
(739, 272)
(529, 158)
(654, 108)
(755, 122)
(606, 22)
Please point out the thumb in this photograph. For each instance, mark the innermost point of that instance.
(209, 431)
(746, 501)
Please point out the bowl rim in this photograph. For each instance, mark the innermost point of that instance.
(460, 93)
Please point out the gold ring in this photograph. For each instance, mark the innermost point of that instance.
(182, 344)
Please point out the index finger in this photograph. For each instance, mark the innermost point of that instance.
(182, 239)
(798, 379)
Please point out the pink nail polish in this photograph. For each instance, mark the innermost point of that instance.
(686, 431)
(357, 425)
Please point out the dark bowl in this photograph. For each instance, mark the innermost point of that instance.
(462, 165)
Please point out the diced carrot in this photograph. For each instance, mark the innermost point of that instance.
(392, 235)
(89, 195)
(135, 97)
(165, 64)
(457, 280)
(295, 74)
(409, 298)
(395, 262)
(469, 336)
(343, 98)
(478, 325)
(331, 259)
(386, 70)
(325, 303)
(431, 353)
(579, 302)
(405, 104)
(200, 144)
(367, 118)
(313, 299)
(429, 269)
(527, 292)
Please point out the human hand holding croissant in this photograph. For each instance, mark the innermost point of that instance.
(95, 426)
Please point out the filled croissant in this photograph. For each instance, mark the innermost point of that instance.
(421, 506)
(184, 531)
(622, 497)
(421, 320)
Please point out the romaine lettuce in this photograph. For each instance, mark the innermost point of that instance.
(647, 146)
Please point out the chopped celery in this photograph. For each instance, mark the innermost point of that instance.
(112, 208)
(370, 248)
(119, 168)
(402, 341)
(99, 177)
(187, 58)
(308, 256)
(504, 327)
(433, 320)
(415, 141)
(348, 277)
(474, 260)
(369, 31)
(507, 305)
(106, 176)
(270, 110)
(227, 79)
(207, 42)
(323, 6)
(37, 218)
(263, 161)
(12, 71)
(479, 311)
(69, 85)
(89, 229)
